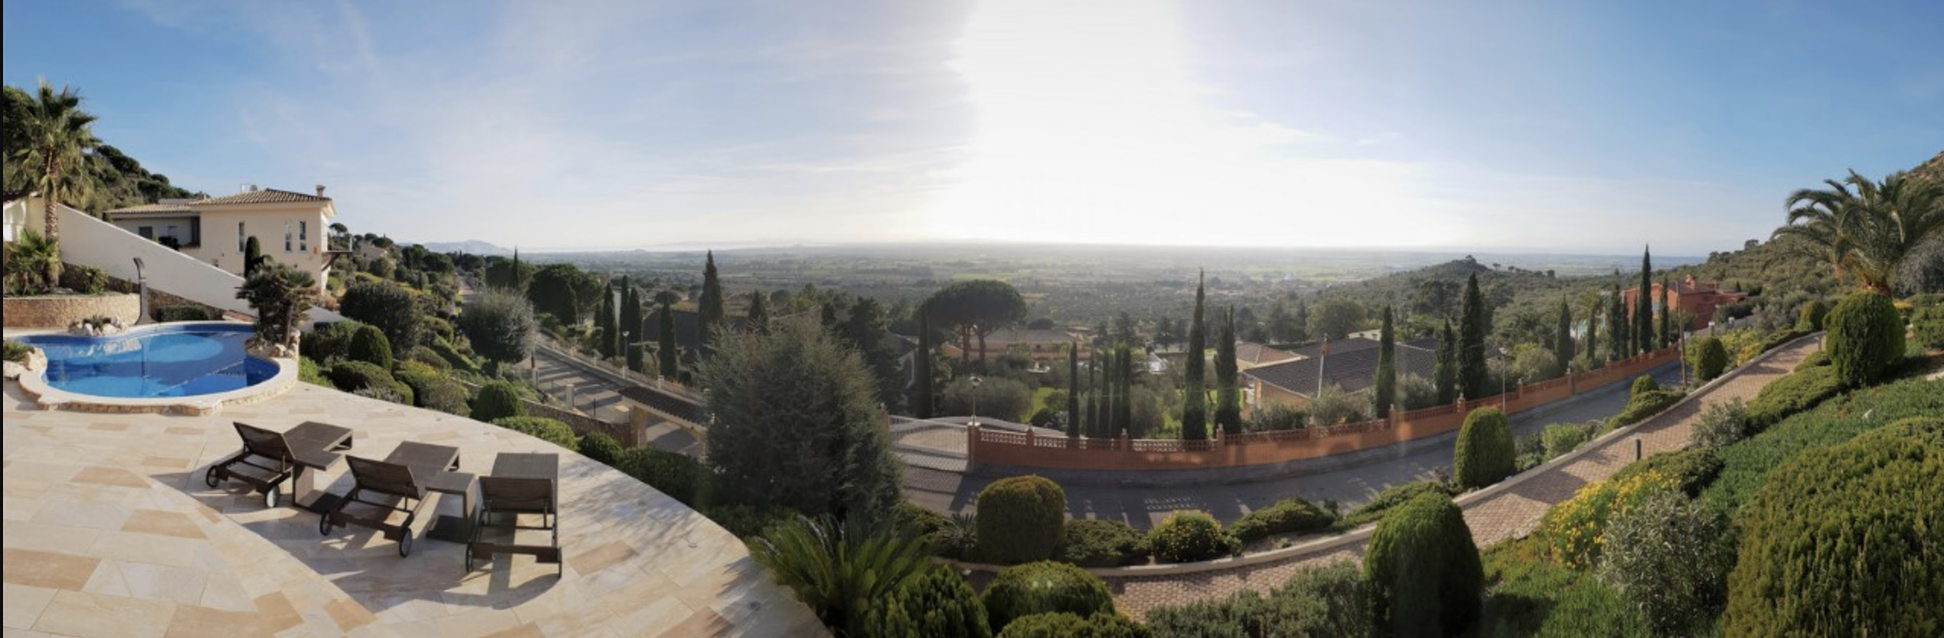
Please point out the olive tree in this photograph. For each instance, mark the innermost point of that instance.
(500, 325)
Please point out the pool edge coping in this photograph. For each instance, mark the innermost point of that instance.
(33, 381)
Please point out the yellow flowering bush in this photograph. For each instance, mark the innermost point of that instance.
(1574, 531)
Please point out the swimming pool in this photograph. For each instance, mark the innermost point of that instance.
(154, 362)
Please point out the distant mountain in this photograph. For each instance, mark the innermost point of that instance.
(470, 246)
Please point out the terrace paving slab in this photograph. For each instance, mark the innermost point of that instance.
(110, 531)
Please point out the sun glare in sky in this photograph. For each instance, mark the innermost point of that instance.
(1090, 127)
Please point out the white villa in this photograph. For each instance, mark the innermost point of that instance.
(291, 227)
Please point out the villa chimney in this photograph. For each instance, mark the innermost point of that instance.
(320, 190)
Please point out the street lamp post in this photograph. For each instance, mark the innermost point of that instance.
(976, 382)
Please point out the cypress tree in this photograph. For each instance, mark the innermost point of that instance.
(1096, 426)
(1617, 327)
(1123, 382)
(252, 256)
(1643, 327)
(1563, 341)
(759, 313)
(1447, 370)
(1593, 331)
(604, 322)
(711, 309)
(631, 318)
(1666, 317)
(1073, 389)
(1473, 375)
(670, 363)
(1383, 390)
(1228, 390)
(921, 386)
(1194, 404)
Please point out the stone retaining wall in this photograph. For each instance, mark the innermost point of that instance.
(59, 311)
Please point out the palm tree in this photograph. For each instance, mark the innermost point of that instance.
(280, 294)
(57, 138)
(1866, 228)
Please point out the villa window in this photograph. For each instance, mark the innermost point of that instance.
(303, 236)
(147, 232)
(241, 239)
(286, 236)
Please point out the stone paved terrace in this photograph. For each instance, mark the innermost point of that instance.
(110, 533)
(1509, 511)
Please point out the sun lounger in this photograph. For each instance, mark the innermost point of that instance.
(269, 458)
(398, 484)
(521, 484)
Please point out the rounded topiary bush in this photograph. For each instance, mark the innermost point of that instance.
(497, 400)
(1021, 519)
(1186, 537)
(1102, 543)
(1044, 587)
(601, 447)
(1812, 316)
(1866, 337)
(1423, 573)
(939, 604)
(1844, 538)
(353, 376)
(1642, 385)
(1486, 453)
(545, 429)
(673, 474)
(1710, 359)
(369, 345)
(1928, 429)
(1072, 626)
(1287, 516)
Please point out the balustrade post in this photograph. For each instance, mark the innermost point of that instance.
(1029, 436)
(972, 444)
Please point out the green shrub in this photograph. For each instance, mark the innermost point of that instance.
(1534, 596)
(549, 430)
(1642, 384)
(1927, 429)
(746, 521)
(917, 521)
(1021, 519)
(1422, 570)
(671, 473)
(307, 372)
(389, 307)
(369, 345)
(1670, 556)
(458, 360)
(1721, 425)
(1485, 452)
(438, 328)
(1780, 338)
(1102, 543)
(1187, 536)
(1692, 470)
(1927, 327)
(1815, 359)
(352, 376)
(1811, 317)
(329, 342)
(1790, 394)
(1327, 601)
(1710, 359)
(432, 389)
(87, 280)
(185, 312)
(497, 400)
(17, 351)
(1288, 516)
(1561, 438)
(601, 447)
(429, 357)
(1044, 587)
(938, 604)
(1844, 541)
(1866, 338)
(1391, 498)
(840, 571)
(1644, 405)
(1746, 466)
(1575, 530)
(1072, 626)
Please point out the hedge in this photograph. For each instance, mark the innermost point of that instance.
(1747, 465)
(601, 447)
(1560, 438)
(432, 389)
(308, 372)
(1072, 626)
(1927, 327)
(1866, 338)
(1485, 452)
(549, 430)
(369, 345)
(1642, 406)
(1021, 519)
(452, 355)
(186, 312)
(352, 376)
(1844, 539)
(1288, 516)
(1393, 497)
(1422, 570)
(1691, 470)
(1796, 392)
(671, 473)
(1043, 587)
(1187, 536)
(1102, 543)
(497, 400)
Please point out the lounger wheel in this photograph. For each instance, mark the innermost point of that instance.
(324, 524)
(405, 544)
(270, 497)
(210, 478)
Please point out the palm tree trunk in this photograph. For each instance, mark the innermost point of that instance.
(53, 223)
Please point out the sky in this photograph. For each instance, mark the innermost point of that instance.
(1573, 127)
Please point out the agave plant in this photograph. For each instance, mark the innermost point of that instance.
(1866, 228)
(840, 569)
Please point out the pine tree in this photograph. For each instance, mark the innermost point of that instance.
(921, 386)
(671, 363)
(1447, 367)
(1563, 341)
(1194, 404)
(1473, 375)
(1228, 390)
(1073, 389)
(1383, 389)
(759, 312)
(1643, 327)
(710, 309)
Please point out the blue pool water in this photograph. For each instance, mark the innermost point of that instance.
(166, 361)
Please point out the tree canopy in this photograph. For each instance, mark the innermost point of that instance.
(977, 307)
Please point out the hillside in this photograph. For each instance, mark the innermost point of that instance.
(1933, 169)
(113, 179)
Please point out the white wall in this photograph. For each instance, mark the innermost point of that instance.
(220, 245)
(16, 219)
(91, 242)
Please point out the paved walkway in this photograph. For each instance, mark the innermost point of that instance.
(1511, 511)
(936, 487)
